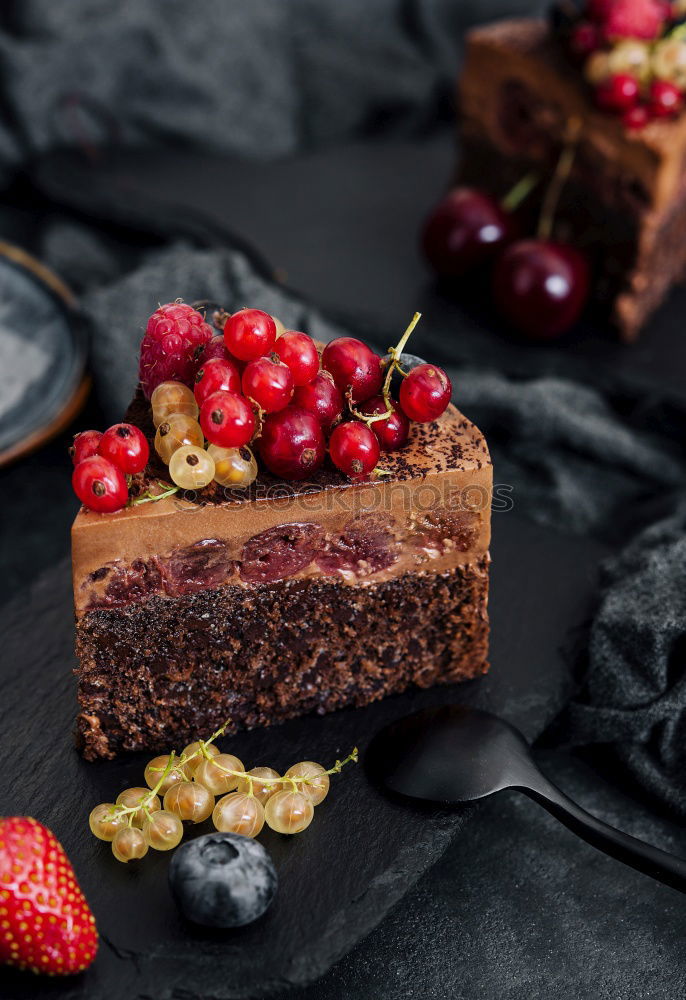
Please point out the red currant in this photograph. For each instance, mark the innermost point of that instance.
(216, 376)
(665, 98)
(292, 443)
(127, 447)
(393, 432)
(100, 485)
(269, 383)
(299, 352)
(85, 446)
(464, 231)
(636, 118)
(425, 393)
(584, 39)
(354, 449)
(249, 334)
(354, 366)
(227, 420)
(322, 398)
(618, 93)
(541, 287)
(214, 348)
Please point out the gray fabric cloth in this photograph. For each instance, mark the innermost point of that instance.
(143, 72)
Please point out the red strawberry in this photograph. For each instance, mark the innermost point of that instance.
(45, 922)
(634, 19)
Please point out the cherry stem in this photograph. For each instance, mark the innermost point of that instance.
(393, 365)
(559, 178)
(522, 189)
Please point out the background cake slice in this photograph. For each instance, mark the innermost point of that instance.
(625, 203)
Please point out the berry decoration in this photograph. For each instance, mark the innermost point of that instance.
(170, 398)
(85, 445)
(46, 925)
(394, 430)
(354, 449)
(299, 352)
(666, 99)
(191, 468)
(321, 398)
(177, 431)
(268, 382)
(235, 468)
(634, 19)
(425, 393)
(222, 880)
(292, 443)
(100, 485)
(227, 420)
(126, 447)
(355, 368)
(173, 335)
(249, 334)
(190, 781)
(618, 93)
(216, 375)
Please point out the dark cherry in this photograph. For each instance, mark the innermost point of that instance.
(541, 287)
(354, 367)
(322, 398)
(292, 443)
(465, 230)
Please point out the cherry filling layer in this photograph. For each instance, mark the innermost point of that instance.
(368, 544)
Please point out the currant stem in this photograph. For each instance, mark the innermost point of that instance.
(522, 189)
(559, 178)
(393, 365)
(152, 497)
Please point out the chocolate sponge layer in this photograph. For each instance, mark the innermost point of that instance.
(156, 674)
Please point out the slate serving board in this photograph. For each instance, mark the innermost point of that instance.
(361, 853)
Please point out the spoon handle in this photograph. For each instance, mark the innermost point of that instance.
(664, 867)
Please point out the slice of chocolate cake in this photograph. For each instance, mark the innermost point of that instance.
(625, 203)
(285, 598)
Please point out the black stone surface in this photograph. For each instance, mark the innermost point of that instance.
(361, 853)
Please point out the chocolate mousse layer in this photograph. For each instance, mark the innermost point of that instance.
(284, 599)
(625, 204)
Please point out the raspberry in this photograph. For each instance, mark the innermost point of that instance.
(168, 350)
(634, 19)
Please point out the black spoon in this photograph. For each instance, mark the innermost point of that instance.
(456, 754)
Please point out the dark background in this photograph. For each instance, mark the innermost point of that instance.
(332, 197)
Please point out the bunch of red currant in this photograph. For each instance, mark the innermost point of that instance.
(102, 463)
(633, 54)
(266, 385)
(539, 285)
(183, 789)
(261, 385)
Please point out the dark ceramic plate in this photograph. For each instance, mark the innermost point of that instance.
(42, 354)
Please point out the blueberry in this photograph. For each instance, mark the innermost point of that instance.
(222, 880)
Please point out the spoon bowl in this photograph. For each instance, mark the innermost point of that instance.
(450, 754)
(455, 754)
